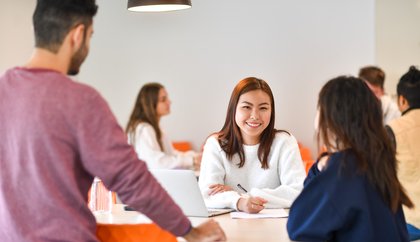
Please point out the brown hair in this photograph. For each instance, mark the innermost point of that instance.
(351, 115)
(230, 138)
(374, 75)
(145, 111)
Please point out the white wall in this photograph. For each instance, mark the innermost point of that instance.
(397, 38)
(201, 53)
(16, 35)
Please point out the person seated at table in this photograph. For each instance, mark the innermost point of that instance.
(249, 154)
(148, 139)
(405, 132)
(352, 193)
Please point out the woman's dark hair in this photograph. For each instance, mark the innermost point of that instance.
(409, 87)
(145, 111)
(53, 20)
(230, 138)
(351, 118)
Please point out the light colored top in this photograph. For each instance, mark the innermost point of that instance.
(280, 184)
(407, 136)
(57, 135)
(148, 150)
(389, 108)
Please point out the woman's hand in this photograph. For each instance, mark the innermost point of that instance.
(251, 204)
(217, 188)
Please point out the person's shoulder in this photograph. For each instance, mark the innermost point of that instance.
(82, 88)
(283, 136)
(145, 127)
(212, 142)
(212, 139)
(336, 175)
(409, 119)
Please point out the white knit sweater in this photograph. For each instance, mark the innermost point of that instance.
(148, 150)
(280, 184)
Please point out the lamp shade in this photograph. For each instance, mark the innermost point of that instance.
(157, 5)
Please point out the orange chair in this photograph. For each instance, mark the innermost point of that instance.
(182, 145)
(148, 232)
(133, 233)
(306, 157)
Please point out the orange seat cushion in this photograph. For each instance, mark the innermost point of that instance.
(182, 145)
(133, 233)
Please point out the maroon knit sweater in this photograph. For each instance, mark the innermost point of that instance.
(56, 135)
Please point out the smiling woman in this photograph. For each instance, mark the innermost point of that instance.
(249, 151)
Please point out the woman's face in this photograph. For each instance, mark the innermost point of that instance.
(164, 104)
(253, 114)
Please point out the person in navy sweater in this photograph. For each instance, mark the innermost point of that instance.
(352, 193)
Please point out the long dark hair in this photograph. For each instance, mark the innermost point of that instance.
(145, 111)
(351, 118)
(230, 138)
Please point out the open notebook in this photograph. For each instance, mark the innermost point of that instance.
(182, 186)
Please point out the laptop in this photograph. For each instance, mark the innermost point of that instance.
(182, 186)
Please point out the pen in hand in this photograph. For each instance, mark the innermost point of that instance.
(248, 203)
(242, 188)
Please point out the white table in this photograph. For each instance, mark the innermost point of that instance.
(247, 230)
(237, 230)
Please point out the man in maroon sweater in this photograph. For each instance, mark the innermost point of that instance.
(58, 134)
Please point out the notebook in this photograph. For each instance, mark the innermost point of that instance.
(182, 186)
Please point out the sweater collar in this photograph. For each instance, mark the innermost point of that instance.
(409, 109)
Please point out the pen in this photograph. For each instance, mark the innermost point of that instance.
(240, 187)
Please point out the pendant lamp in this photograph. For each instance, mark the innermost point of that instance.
(157, 5)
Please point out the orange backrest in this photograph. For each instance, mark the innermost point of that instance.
(133, 233)
(306, 157)
(182, 145)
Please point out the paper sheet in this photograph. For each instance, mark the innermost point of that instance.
(265, 213)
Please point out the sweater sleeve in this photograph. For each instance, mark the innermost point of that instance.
(291, 173)
(148, 149)
(314, 216)
(213, 172)
(105, 153)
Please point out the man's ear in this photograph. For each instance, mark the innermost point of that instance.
(77, 37)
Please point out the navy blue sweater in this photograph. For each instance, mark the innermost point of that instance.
(341, 205)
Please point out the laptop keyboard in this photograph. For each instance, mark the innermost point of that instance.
(215, 211)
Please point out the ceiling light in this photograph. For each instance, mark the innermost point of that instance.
(157, 5)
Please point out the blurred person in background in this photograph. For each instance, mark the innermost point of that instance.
(375, 79)
(406, 134)
(144, 133)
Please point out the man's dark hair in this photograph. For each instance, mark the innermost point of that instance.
(373, 74)
(409, 87)
(53, 19)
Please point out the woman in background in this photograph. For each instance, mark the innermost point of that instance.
(352, 193)
(249, 154)
(145, 134)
